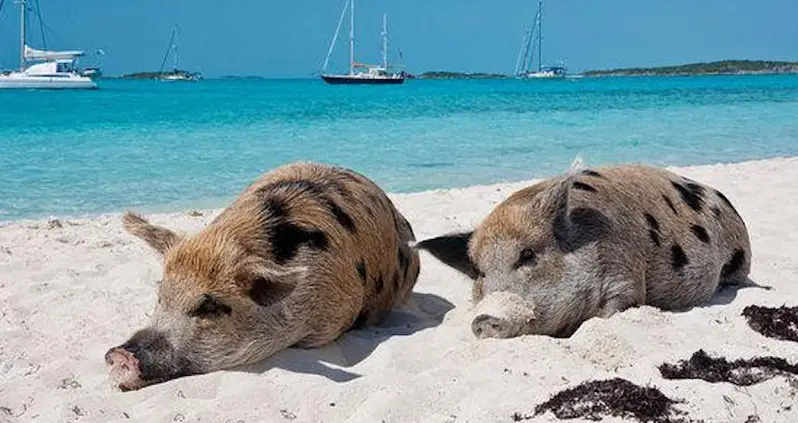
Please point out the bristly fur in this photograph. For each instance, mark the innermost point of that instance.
(593, 242)
(305, 253)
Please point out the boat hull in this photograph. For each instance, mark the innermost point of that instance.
(355, 80)
(50, 83)
(544, 77)
(167, 79)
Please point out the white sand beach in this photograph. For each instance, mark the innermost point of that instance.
(70, 291)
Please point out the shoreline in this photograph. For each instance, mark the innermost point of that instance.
(71, 291)
(175, 209)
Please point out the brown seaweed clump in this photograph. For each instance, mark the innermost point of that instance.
(738, 372)
(778, 323)
(615, 397)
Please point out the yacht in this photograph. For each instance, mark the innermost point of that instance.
(374, 74)
(524, 67)
(175, 74)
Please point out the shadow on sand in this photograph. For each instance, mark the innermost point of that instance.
(728, 293)
(422, 311)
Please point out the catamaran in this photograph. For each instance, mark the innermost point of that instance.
(524, 64)
(374, 74)
(48, 69)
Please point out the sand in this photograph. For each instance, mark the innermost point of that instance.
(68, 292)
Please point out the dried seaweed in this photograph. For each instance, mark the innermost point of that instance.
(616, 397)
(739, 372)
(778, 323)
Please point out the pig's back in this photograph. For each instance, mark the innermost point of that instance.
(339, 225)
(686, 235)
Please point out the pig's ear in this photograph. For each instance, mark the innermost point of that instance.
(268, 285)
(575, 226)
(157, 237)
(452, 250)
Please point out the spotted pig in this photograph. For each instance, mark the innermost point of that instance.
(305, 253)
(594, 242)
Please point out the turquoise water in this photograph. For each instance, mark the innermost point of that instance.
(167, 146)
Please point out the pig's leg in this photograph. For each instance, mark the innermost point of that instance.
(503, 315)
(283, 325)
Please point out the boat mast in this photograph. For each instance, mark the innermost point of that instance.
(540, 36)
(22, 35)
(385, 41)
(352, 37)
(174, 47)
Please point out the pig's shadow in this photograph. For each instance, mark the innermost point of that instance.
(728, 293)
(421, 312)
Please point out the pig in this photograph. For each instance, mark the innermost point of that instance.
(305, 253)
(594, 242)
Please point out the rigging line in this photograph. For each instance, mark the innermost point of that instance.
(522, 54)
(1, 6)
(335, 37)
(41, 24)
(52, 32)
(531, 45)
(168, 49)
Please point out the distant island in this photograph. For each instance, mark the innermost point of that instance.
(460, 75)
(725, 67)
(160, 75)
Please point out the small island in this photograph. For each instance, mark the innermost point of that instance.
(174, 74)
(725, 67)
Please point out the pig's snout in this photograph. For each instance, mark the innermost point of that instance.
(119, 356)
(125, 370)
(146, 358)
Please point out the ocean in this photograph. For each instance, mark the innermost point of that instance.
(157, 147)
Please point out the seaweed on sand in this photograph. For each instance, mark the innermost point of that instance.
(616, 397)
(738, 372)
(778, 323)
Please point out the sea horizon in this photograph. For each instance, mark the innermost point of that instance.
(168, 147)
(572, 75)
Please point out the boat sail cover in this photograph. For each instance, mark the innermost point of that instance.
(33, 54)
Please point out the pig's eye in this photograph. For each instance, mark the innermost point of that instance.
(210, 307)
(527, 257)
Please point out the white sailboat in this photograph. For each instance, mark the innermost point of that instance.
(524, 64)
(47, 70)
(374, 74)
(175, 74)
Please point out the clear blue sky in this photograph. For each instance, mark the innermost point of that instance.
(290, 38)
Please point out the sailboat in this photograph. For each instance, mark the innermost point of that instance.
(175, 74)
(48, 69)
(374, 74)
(524, 63)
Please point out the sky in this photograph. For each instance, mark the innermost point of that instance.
(290, 38)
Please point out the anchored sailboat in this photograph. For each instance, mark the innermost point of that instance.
(49, 69)
(375, 74)
(526, 57)
(175, 74)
